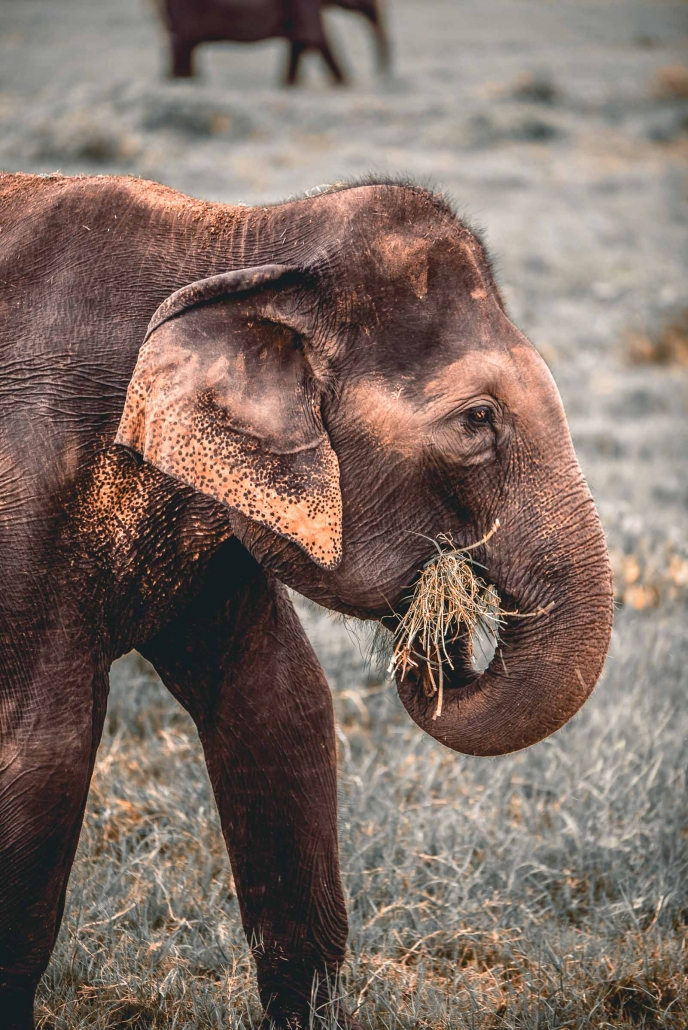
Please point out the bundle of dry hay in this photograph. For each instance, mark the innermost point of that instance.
(449, 601)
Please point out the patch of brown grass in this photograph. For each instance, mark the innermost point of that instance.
(669, 346)
(671, 82)
(649, 577)
(537, 87)
(643, 997)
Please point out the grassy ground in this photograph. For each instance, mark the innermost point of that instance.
(546, 889)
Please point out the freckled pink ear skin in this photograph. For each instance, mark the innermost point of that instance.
(221, 400)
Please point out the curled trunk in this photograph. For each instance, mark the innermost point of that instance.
(544, 667)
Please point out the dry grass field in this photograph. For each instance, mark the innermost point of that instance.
(547, 889)
(543, 890)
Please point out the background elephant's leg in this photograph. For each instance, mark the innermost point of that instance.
(332, 64)
(52, 707)
(240, 662)
(296, 51)
(181, 52)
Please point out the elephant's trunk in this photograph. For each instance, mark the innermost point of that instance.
(546, 666)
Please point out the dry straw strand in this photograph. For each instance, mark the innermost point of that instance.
(450, 600)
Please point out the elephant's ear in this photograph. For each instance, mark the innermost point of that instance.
(223, 399)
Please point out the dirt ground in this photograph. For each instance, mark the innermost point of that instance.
(561, 127)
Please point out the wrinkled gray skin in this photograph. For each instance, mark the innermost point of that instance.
(351, 387)
(191, 22)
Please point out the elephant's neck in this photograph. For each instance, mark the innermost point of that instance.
(228, 238)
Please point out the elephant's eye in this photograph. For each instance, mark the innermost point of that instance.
(480, 416)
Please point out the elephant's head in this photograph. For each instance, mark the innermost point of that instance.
(358, 392)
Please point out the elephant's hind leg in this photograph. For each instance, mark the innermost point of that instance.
(296, 51)
(181, 58)
(332, 63)
(239, 661)
(52, 705)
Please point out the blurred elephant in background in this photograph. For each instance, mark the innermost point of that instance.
(190, 22)
(201, 403)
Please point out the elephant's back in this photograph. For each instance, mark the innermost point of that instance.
(84, 263)
(244, 21)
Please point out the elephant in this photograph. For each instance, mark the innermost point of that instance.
(190, 22)
(205, 405)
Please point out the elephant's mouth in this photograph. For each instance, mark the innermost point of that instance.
(432, 678)
(454, 632)
(447, 630)
(439, 670)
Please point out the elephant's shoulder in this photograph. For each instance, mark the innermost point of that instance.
(122, 508)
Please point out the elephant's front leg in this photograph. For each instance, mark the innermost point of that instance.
(53, 691)
(240, 662)
(181, 57)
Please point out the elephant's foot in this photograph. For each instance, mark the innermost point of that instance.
(292, 1006)
(303, 1019)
